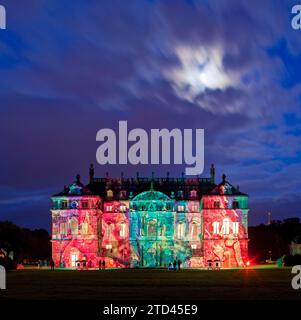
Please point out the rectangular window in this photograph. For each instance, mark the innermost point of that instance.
(74, 259)
(181, 231)
(55, 230)
(74, 226)
(193, 194)
(215, 227)
(85, 204)
(216, 204)
(85, 228)
(109, 231)
(194, 208)
(64, 228)
(180, 194)
(151, 228)
(194, 231)
(235, 228)
(226, 226)
(109, 208)
(235, 204)
(122, 231)
(56, 204)
(181, 208)
(64, 204)
(122, 208)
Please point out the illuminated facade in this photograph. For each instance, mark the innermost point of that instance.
(150, 222)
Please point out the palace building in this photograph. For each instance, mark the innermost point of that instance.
(150, 222)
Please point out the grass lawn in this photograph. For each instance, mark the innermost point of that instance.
(147, 284)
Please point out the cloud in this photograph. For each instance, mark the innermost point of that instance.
(200, 69)
(71, 68)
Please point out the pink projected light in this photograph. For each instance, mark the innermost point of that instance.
(119, 223)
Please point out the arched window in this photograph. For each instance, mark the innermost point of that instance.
(181, 230)
(151, 228)
(74, 226)
(122, 194)
(193, 194)
(84, 228)
(194, 231)
(226, 226)
(109, 194)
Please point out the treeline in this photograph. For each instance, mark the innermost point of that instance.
(21, 244)
(273, 241)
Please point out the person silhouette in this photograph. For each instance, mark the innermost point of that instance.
(51, 264)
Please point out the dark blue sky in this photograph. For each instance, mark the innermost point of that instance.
(69, 68)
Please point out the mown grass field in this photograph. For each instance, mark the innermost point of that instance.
(257, 284)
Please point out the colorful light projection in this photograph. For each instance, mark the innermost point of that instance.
(225, 230)
(162, 230)
(151, 230)
(116, 248)
(75, 230)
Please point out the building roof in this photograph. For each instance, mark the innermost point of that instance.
(226, 188)
(135, 186)
(176, 188)
(75, 189)
(151, 195)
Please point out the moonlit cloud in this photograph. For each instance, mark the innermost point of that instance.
(200, 69)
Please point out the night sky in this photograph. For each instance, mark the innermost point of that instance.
(71, 67)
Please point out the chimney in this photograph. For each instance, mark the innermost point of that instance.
(78, 179)
(152, 181)
(269, 218)
(91, 173)
(223, 179)
(212, 173)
